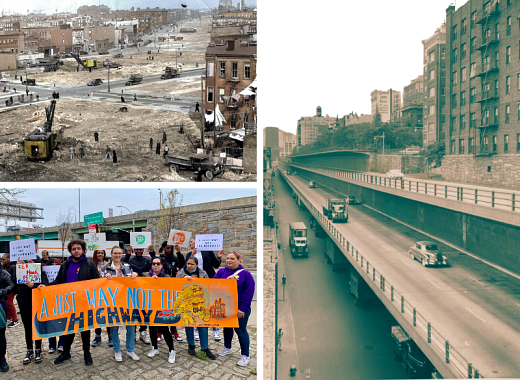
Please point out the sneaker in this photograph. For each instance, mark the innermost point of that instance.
(171, 357)
(110, 343)
(153, 352)
(191, 349)
(4, 367)
(133, 355)
(96, 341)
(225, 351)
(38, 356)
(197, 335)
(88, 359)
(13, 324)
(216, 335)
(144, 337)
(9, 320)
(118, 357)
(52, 350)
(159, 337)
(244, 360)
(60, 348)
(209, 354)
(177, 337)
(28, 357)
(63, 356)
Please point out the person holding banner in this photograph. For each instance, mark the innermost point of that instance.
(99, 258)
(76, 268)
(189, 272)
(47, 261)
(116, 268)
(156, 272)
(6, 288)
(246, 290)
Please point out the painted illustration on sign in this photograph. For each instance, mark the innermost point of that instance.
(74, 307)
(23, 249)
(209, 242)
(140, 239)
(28, 272)
(181, 238)
(94, 242)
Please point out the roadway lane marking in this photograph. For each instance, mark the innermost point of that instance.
(433, 283)
(475, 314)
(405, 262)
(476, 280)
(386, 248)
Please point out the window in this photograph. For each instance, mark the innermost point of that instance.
(494, 144)
(221, 93)
(472, 93)
(454, 32)
(432, 110)
(431, 56)
(472, 70)
(454, 78)
(518, 142)
(485, 143)
(461, 146)
(463, 27)
(506, 143)
(463, 51)
(442, 90)
(497, 31)
(518, 110)
(463, 75)
(210, 94)
(508, 111)
(508, 85)
(496, 115)
(496, 87)
(210, 69)
(452, 143)
(454, 101)
(233, 121)
(463, 98)
(222, 73)
(473, 45)
(463, 122)
(454, 56)
(496, 59)
(473, 19)
(234, 70)
(432, 92)
(508, 30)
(470, 145)
(247, 71)
(473, 120)
(508, 55)
(453, 122)
(432, 74)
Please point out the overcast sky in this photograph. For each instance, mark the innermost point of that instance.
(95, 200)
(335, 53)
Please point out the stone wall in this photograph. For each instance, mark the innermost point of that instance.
(250, 154)
(387, 162)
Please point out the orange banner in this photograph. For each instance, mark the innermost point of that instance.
(121, 301)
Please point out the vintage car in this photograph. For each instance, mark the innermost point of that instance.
(196, 162)
(118, 55)
(312, 184)
(395, 173)
(95, 82)
(351, 200)
(428, 253)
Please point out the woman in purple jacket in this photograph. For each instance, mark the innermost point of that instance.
(246, 290)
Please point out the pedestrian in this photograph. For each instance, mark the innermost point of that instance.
(197, 107)
(122, 100)
(116, 268)
(108, 153)
(158, 148)
(114, 156)
(47, 261)
(24, 300)
(99, 258)
(76, 268)
(164, 137)
(12, 317)
(81, 152)
(72, 152)
(246, 290)
(27, 92)
(135, 97)
(96, 136)
(156, 272)
(189, 272)
(166, 149)
(6, 288)
(151, 143)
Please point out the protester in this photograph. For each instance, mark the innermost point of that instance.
(24, 299)
(116, 268)
(189, 272)
(246, 290)
(6, 288)
(156, 272)
(76, 268)
(12, 317)
(99, 258)
(47, 261)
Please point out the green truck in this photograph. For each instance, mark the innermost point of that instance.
(134, 79)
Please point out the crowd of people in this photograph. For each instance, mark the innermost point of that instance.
(133, 264)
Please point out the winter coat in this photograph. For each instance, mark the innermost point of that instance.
(126, 269)
(245, 286)
(199, 273)
(24, 297)
(209, 261)
(87, 271)
(138, 264)
(6, 285)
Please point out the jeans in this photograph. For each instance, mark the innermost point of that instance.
(243, 336)
(130, 338)
(203, 335)
(98, 332)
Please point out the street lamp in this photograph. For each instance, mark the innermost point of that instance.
(381, 137)
(160, 198)
(109, 78)
(133, 221)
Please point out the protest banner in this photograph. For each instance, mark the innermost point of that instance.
(140, 239)
(209, 242)
(122, 301)
(94, 242)
(52, 271)
(181, 238)
(28, 272)
(23, 249)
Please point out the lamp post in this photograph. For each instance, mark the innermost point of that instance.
(26, 82)
(133, 221)
(160, 198)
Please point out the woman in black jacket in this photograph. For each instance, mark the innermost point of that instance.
(6, 288)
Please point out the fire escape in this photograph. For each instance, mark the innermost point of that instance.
(488, 73)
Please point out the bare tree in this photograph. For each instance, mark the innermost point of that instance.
(64, 221)
(170, 213)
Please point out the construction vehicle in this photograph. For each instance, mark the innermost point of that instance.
(134, 79)
(336, 210)
(118, 55)
(40, 144)
(88, 64)
(171, 72)
(298, 239)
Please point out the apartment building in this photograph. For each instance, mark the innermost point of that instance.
(12, 43)
(385, 102)
(412, 110)
(311, 127)
(281, 143)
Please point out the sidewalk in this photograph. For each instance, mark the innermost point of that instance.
(105, 367)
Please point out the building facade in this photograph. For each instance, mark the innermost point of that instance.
(385, 102)
(412, 111)
(309, 128)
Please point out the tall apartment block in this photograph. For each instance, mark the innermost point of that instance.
(385, 102)
(310, 127)
(281, 143)
(483, 64)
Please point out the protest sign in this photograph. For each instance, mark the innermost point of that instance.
(23, 249)
(85, 305)
(181, 238)
(210, 242)
(140, 239)
(94, 242)
(28, 272)
(51, 271)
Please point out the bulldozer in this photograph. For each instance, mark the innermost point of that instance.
(170, 72)
(39, 145)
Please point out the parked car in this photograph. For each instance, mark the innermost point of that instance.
(118, 55)
(428, 253)
(30, 82)
(312, 185)
(394, 173)
(351, 200)
(409, 151)
(413, 359)
(95, 82)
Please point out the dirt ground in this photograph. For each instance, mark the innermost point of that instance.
(185, 87)
(76, 121)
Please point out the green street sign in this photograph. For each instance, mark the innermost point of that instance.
(96, 218)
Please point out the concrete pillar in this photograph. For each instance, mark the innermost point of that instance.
(338, 259)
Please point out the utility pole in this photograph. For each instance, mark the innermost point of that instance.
(108, 78)
(203, 113)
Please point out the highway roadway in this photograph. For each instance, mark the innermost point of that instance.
(473, 305)
(325, 335)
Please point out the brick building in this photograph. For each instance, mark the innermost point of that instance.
(12, 43)
(160, 15)
(309, 128)
(412, 110)
(62, 39)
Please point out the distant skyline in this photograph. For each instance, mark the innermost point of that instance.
(53, 6)
(334, 54)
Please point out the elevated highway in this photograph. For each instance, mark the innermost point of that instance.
(464, 317)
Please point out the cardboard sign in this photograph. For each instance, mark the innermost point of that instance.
(210, 242)
(94, 242)
(140, 239)
(181, 238)
(165, 301)
(52, 271)
(28, 272)
(23, 249)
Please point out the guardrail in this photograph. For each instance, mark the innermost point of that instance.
(440, 345)
(505, 199)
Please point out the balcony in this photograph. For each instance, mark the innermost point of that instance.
(234, 79)
(488, 42)
(486, 96)
(488, 122)
(486, 69)
(230, 102)
(485, 14)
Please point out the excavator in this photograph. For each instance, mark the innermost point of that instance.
(39, 145)
(88, 64)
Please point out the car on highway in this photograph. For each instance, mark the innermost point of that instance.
(351, 200)
(312, 185)
(395, 173)
(409, 151)
(95, 82)
(428, 253)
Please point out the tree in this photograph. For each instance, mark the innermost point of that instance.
(435, 152)
(64, 221)
(170, 213)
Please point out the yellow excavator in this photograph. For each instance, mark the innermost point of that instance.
(39, 145)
